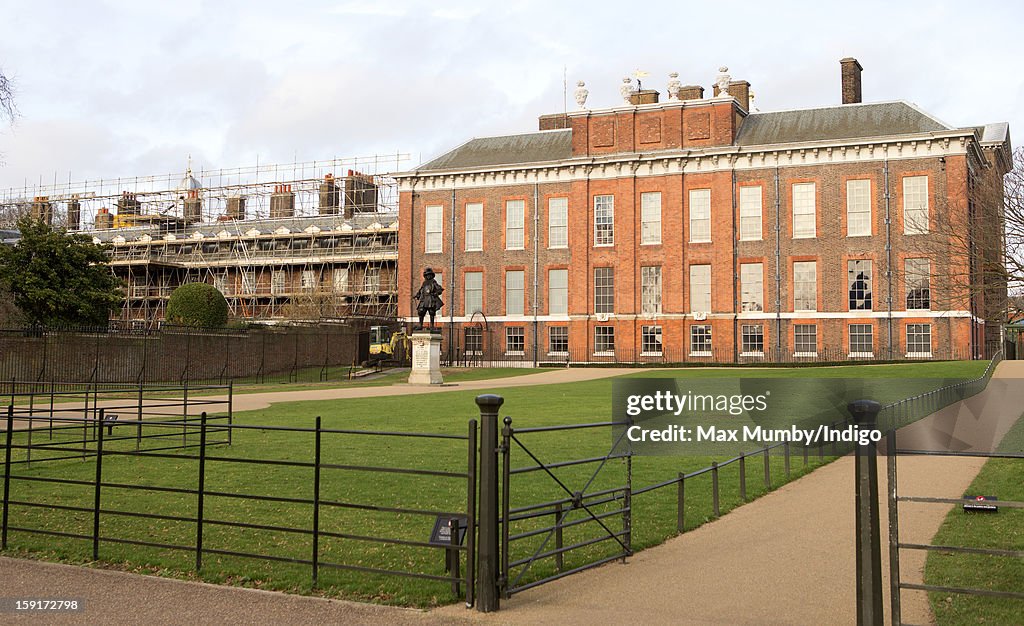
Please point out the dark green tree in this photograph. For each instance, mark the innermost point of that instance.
(57, 279)
(197, 304)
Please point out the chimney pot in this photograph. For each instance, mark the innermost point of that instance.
(851, 70)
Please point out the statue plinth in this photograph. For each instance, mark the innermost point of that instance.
(426, 358)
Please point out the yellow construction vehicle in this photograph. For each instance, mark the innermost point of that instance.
(389, 346)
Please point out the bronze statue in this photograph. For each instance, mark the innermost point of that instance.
(429, 296)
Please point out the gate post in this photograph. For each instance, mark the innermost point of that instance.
(487, 547)
(869, 547)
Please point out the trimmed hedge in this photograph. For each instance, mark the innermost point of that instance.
(197, 304)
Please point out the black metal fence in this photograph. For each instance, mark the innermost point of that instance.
(212, 508)
(493, 356)
(62, 420)
(181, 355)
(895, 498)
(578, 510)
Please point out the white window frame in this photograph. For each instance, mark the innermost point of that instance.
(371, 279)
(308, 280)
(927, 333)
(922, 275)
(800, 277)
(870, 334)
(858, 208)
(700, 288)
(805, 211)
(558, 292)
(700, 216)
(515, 224)
(752, 287)
(604, 334)
(340, 279)
(797, 352)
(650, 289)
(651, 341)
(915, 205)
(563, 331)
(474, 227)
(704, 330)
(515, 332)
(515, 292)
(748, 330)
(751, 207)
(278, 282)
(855, 268)
(558, 223)
(604, 220)
(604, 300)
(433, 239)
(650, 218)
(474, 293)
(477, 334)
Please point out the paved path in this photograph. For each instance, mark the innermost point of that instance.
(786, 558)
(250, 401)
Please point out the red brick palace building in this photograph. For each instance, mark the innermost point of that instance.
(699, 230)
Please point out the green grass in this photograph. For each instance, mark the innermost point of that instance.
(653, 516)
(1001, 531)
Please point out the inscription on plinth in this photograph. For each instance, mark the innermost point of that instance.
(426, 359)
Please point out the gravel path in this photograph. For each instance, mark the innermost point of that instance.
(786, 558)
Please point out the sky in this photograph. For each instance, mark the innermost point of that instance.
(125, 88)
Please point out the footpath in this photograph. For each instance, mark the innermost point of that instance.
(786, 558)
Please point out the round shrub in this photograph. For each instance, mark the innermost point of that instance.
(197, 304)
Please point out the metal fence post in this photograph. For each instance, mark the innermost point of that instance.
(316, 505)
(869, 550)
(7, 473)
(743, 476)
(714, 488)
(894, 527)
(471, 473)
(201, 488)
(767, 471)
(96, 498)
(681, 503)
(487, 568)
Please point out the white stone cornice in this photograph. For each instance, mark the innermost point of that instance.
(689, 161)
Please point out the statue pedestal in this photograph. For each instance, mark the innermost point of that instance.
(426, 358)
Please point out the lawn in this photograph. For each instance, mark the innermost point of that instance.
(653, 513)
(1000, 531)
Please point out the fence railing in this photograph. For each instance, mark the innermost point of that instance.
(902, 412)
(627, 356)
(181, 355)
(216, 486)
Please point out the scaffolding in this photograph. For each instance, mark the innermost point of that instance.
(313, 241)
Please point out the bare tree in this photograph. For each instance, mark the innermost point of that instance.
(7, 105)
(975, 244)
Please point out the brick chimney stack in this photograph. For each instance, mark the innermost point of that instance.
(851, 80)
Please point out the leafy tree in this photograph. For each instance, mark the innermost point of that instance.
(197, 304)
(57, 279)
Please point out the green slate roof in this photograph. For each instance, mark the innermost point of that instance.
(834, 123)
(848, 121)
(548, 145)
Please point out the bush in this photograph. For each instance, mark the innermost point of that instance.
(197, 304)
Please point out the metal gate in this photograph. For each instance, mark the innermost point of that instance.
(591, 499)
(896, 585)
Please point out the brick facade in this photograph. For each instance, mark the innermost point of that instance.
(684, 150)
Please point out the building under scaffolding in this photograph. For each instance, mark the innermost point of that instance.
(309, 241)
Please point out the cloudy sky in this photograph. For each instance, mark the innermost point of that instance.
(125, 88)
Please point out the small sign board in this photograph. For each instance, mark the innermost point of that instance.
(985, 504)
(441, 535)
